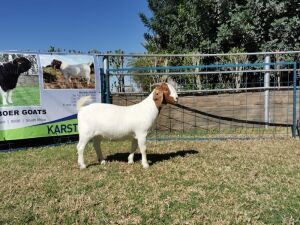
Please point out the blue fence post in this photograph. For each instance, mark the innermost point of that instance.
(294, 99)
(102, 87)
(298, 78)
(106, 97)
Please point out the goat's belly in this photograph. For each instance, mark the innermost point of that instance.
(119, 138)
(115, 134)
(75, 71)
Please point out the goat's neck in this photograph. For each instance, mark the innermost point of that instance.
(150, 104)
(63, 65)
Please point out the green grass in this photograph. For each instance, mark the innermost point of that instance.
(25, 96)
(205, 182)
(247, 132)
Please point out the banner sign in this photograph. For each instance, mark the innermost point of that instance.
(39, 93)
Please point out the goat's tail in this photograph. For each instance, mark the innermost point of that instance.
(83, 101)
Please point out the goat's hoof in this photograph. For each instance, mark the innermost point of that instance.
(145, 165)
(103, 162)
(130, 161)
(82, 166)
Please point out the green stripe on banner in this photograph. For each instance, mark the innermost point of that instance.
(67, 127)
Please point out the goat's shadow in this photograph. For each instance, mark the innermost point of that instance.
(151, 157)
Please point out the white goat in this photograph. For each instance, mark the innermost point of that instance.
(113, 122)
(77, 70)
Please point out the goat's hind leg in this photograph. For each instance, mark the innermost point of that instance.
(97, 147)
(80, 150)
(134, 145)
(142, 147)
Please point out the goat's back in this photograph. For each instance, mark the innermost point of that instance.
(77, 70)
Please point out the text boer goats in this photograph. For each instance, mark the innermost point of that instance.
(9, 74)
(98, 120)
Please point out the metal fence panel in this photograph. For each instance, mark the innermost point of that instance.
(223, 101)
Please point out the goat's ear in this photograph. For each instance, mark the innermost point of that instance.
(158, 97)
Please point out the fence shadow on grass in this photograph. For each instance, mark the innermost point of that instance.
(151, 157)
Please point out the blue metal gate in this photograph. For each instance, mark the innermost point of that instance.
(249, 109)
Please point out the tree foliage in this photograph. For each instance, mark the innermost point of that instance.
(219, 25)
(117, 62)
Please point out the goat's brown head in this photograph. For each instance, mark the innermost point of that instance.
(56, 64)
(164, 93)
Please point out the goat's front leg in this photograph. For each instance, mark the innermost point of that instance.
(4, 97)
(97, 147)
(142, 147)
(9, 96)
(134, 145)
(88, 80)
(67, 78)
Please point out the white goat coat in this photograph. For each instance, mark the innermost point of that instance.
(78, 70)
(117, 122)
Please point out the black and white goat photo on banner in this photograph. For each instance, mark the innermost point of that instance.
(19, 80)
